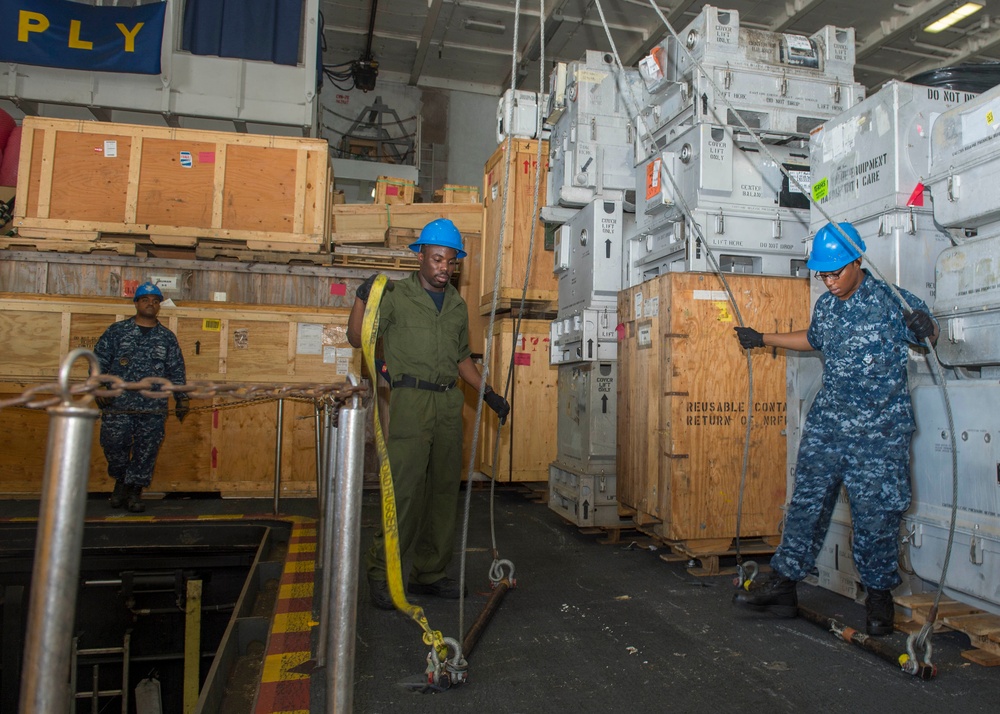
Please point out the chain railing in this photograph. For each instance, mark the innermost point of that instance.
(105, 386)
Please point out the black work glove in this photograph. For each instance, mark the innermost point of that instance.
(182, 409)
(497, 403)
(366, 287)
(920, 324)
(749, 337)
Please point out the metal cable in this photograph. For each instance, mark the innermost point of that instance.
(508, 114)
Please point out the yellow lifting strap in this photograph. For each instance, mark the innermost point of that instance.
(390, 527)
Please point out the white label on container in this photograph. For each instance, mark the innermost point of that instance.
(163, 282)
(652, 307)
(110, 148)
(309, 339)
(804, 178)
(344, 357)
(638, 304)
(645, 335)
(713, 295)
(187, 160)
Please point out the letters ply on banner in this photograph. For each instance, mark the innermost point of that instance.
(59, 33)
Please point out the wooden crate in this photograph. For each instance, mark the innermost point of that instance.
(227, 448)
(543, 287)
(469, 278)
(394, 191)
(454, 193)
(83, 178)
(354, 223)
(682, 391)
(528, 440)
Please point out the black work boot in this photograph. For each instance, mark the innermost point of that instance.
(775, 594)
(135, 504)
(445, 588)
(880, 613)
(379, 591)
(119, 495)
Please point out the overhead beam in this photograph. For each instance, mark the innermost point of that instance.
(426, 35)
(972, 47)
(902, 20)
(657, 32)
(533, 46)
(794, 9)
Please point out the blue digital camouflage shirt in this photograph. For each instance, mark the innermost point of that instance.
(125, 351)
(864, 342)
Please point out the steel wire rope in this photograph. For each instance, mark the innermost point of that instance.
(937, 372)
(709, 254)
(508, 117)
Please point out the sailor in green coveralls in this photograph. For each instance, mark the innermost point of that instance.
(424, 326)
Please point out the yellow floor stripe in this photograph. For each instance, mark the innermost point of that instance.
(304, 532)
(222, 517)
(277, 668)
(291, 622)
(295, 590)
(300, 566)
(301, 547)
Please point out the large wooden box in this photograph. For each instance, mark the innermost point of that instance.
(226, 444)
(175, 185)
(527, 442)
(682, 404)
(543, 287)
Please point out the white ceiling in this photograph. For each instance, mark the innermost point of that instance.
(468, 44)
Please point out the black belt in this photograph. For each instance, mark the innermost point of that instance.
(414, 383)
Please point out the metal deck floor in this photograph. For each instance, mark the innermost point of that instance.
(595, 627)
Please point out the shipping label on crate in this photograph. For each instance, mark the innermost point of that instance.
(309, 339)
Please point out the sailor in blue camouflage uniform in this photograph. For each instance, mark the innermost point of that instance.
(857, 433)
(132, 426)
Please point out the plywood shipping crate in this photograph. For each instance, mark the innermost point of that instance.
(394, 191)
(77, 179)
(225, 444)
(528, 440)
(682, 405)
(354, 223)
(454, 193)
(543, 287)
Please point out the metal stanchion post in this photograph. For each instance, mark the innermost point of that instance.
(342, 610)
(56, 571)
(326, 536)
(320, 492)
(277, 454)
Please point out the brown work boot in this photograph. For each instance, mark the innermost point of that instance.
(119, 495)
(775, 594)
(880, 613)
(135, 504)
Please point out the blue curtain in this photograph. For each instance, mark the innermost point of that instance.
(266, 30)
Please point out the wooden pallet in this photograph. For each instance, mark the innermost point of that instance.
(612, 535)
(708, 552)
(373, 257)
(982, 628)
(18, 242)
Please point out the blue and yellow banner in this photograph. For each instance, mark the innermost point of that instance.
(59, 33)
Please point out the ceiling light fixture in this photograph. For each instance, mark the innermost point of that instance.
(954, 17)
(493, 28)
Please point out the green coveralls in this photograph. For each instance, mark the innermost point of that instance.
(425, 427)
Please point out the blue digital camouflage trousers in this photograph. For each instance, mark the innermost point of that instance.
(875, 470)
(131, 443)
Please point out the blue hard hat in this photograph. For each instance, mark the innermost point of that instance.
(440, 232)
(831, 252)
(147, 289)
